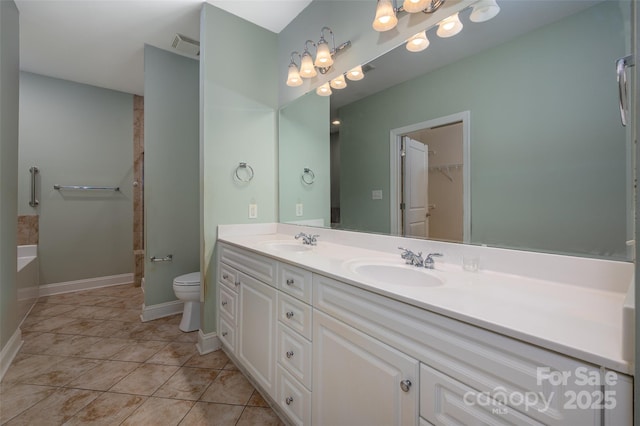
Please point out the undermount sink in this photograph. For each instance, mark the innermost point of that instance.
(287, 246)
(397, 275)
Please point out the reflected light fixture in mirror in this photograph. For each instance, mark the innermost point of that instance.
(338, 82)
(355, 74)
(307, 70)
(414, 6)
(293, 76)
(385, 16)
(324, 90)
(484, 10)
(418, 42)
(449, 27)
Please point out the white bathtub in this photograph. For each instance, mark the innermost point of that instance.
(27, 278)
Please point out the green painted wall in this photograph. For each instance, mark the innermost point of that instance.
(78, 135)
(542, 177)
(171, 167)
(303, 142)
(9, 98)
(238, 116)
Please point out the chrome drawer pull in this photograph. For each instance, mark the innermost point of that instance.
(224, 334)
(289, 315)
(224, 303)
(290, 281)
(225, 276)
(289, 400)
(289, 354)
(237, 283)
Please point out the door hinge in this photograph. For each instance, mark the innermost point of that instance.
(402, 206)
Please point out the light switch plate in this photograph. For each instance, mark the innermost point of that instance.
(299, 209)
(376, 194)
(253, 211)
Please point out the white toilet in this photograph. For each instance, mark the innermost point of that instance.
(187, 288)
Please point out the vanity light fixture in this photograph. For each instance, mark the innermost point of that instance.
(324, 90)
(418, 42)
(355, 74)
(484, 10)
(323, 53)
(338, 82)
(293, 76)
(449, 27)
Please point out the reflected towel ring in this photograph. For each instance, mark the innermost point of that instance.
(308, 176)
(246, 167)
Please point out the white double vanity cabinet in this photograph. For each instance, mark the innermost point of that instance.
(329, 350)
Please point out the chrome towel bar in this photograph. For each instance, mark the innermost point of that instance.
(34, 171)
(87, 188)
(167, 258)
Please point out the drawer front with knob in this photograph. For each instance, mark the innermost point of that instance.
(228, 276)
(293, 398)
(227, 335)
(294, 354)
(295, 314)
(228, 304)
(295, 281)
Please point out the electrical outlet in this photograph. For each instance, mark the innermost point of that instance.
(253, 211)
(299, 209)
(376, 194)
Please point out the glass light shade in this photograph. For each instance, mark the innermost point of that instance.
(307, 70)
(449, 27)
(338, 82)
(414, 6)
(324, 90)
(418, 42)
(355, 74)
(323, 55)
(484, 10)
(293, 78)
(385, 16)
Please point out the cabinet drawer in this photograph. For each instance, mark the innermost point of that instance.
(295, 314)
(227, 335)
(295, 281)
(228, 304)
(294, 354)
(228, 276)
(479, 358)
(445, 401)
(293, 398)
(260, 267)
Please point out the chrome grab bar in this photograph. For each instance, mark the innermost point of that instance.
(623, 90)
(87, 188)
(34, 171)
(167, 258)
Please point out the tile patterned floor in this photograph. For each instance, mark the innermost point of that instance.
(88, 360)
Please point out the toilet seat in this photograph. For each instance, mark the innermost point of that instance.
(192, 279)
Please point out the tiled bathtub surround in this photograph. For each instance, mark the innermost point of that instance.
(28, 230)
(87, 359)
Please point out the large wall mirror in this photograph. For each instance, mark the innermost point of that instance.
(507, 135)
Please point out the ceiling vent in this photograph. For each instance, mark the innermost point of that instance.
(186, 45)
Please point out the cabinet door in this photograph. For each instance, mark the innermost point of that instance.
(357, 379)
(256, 331)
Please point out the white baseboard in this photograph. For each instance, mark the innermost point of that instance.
(161, 310)
(86, 284)
(9, 352)
(208, 342)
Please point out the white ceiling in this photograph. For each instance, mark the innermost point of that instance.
(101, 42)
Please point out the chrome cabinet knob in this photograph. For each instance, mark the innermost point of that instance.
(237, 283)
(289, 354)
(225, 276)
(224, 334)
(289, 400)
(289, 315)
(290, 281)
(405, 385)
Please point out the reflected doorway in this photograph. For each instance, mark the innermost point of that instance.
(431, 173)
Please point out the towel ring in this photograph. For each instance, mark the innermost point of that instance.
(308, 176)
(247, 167)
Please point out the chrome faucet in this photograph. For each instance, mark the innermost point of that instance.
(308, 239)
(417, 260)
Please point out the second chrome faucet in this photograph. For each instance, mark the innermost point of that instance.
(414, 259)
(308, 239)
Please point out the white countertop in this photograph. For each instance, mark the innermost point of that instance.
(581, 321)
